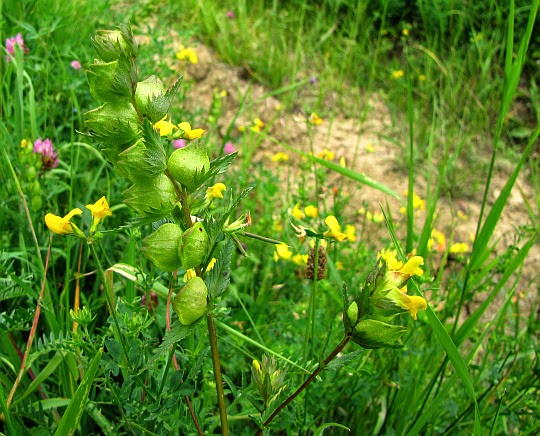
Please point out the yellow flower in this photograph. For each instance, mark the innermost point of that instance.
(61, 226)
(165, 127)
(100, 209)
(437, 241)
(422, 77)
(342, 162)
(216, 191)
(390, 258)
(339, 265)
(412, 267)
(211, 264)
(242, 128)
(326, 154)
(188, 132)
(300, 259)
(462, 215)
(335, 229)
(413, 304)
(350, 231)
(397, 74)
(405, 32)
(370, 148)
(190, 273)
(311, 211)
(459, 248)
(377, 217)
(278, 226)
(188, 54)
(282, 252)
(258, 123)
(24, 143)
(256, 365)
(280, 157)
(315, 119)
(297, 213)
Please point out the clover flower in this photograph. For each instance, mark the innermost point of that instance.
(229, 148)
(12, 42)
(49, 156)
(179, 143)
(63, 226)
(76, 65)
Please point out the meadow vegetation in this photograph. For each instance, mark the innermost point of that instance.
(181, 265)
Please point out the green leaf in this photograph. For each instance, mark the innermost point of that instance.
(343, 360)
(324, 426)
(72, 416)
(218, 278)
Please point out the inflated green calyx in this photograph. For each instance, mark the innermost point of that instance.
(188, 164)
(193, 246)
(190, 303)
(161, 247)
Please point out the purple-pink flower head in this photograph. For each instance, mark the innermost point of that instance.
(49, 156)
(313, 80)
(229, 148)
(12, 42)
(230, 14)
(76, 65)
(179, 143)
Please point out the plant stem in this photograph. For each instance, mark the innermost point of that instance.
(217, 374)
(304, 385)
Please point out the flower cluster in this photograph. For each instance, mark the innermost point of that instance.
(49, 156)
(383, 297)
(13, 42)
(187, 54)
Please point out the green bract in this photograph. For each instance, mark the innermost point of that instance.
(191, 302)
(193, 246)
(116, 125)
(110, 44)
(372, 333)
(110, 81)
(150, 196)
(161, 247)
(188, 164)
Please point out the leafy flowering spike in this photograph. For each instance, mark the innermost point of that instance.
(161, 247)
(188, 164)
(193, 246)
(64, 226)
(191, 302)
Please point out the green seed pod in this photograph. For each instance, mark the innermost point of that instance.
(190, 303)
(161, 247)
(373, 334)
(193, 246)
(188, 164)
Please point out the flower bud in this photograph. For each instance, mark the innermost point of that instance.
(193, 246)
(188, 164)
(372, 334)
(191, 302)
(161, 247)
(110, 44)
(151, 100)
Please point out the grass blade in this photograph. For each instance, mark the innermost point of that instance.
(72, 415)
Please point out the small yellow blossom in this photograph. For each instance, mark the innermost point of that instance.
(300, 259)
(311, 211)
(335, 229)
(422, 77)
(390, 258)
(297, 213)
(211, 264)
(223, 93)
(405, 32)
(24, 143)
(459, 248)
(216, 191)
(188, 132)
(188, 54)
(256, 365)
(242, 128)
(462, 215)
(413, 304)
(326, 154)
(350, 231)
(315, 119)
(100, 209)
(412, 267)
(165, 127)
(278, 226)
(339, 265)
(280, 157)
(437, 241)
(397, 74)
(258, 123)
(342, 162)
(59, 225)
(370, 148)
(190, 273)
(377, 217)
(282, 252)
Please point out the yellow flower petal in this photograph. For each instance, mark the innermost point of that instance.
(282, 252)
(188, 132)
(311, 211)
(100, 209)
(297, 212)
(216, 191)
(165, 127)
(414, 304)
(412, 267)
(59, 225)
(335, 229)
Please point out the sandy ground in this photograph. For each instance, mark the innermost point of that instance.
(352, 139)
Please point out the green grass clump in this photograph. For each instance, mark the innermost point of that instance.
(89, 342)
